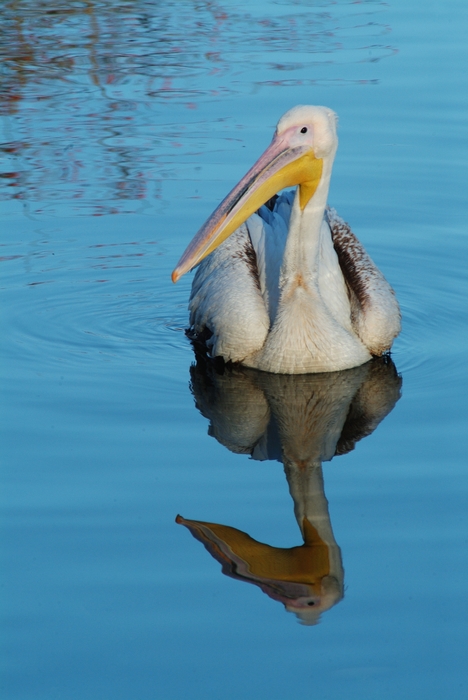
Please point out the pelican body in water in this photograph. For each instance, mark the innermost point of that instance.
(283, 284)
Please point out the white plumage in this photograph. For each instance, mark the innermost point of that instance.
(291, 290)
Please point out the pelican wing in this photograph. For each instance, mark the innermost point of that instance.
(226, 301)
(235, 290)
(375, 313)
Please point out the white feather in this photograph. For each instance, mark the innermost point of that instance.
(292, 290)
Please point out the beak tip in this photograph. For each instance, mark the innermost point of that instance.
(175, 276)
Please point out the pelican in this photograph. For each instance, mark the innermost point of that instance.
(283, 284)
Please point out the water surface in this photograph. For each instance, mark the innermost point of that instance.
(121, 128)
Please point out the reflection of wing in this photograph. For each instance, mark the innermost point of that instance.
(297, 418)
(235, 406)
(374, 400)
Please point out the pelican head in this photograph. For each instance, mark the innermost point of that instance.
(301, 153)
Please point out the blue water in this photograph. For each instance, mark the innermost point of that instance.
(121, 128)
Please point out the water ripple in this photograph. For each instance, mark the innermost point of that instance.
(77, 302)
(116, 300)
(431, 347)
(80, 81)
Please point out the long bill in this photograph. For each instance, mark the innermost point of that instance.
(280, 166)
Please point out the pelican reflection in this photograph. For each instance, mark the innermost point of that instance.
(301, 421)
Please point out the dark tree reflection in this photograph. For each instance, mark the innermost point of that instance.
(88, 88)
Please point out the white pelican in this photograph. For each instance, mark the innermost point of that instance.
(292, 290)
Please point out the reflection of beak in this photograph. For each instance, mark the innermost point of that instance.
(280, 166)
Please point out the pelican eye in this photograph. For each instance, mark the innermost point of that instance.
(304, 130)
(311, 602)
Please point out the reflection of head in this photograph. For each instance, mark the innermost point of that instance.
(308, 610)
(298, 577)
(302, 421)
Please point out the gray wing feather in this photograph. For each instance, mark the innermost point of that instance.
(375, 313)
(226, 300)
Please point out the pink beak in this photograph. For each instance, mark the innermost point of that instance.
(281, 165)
